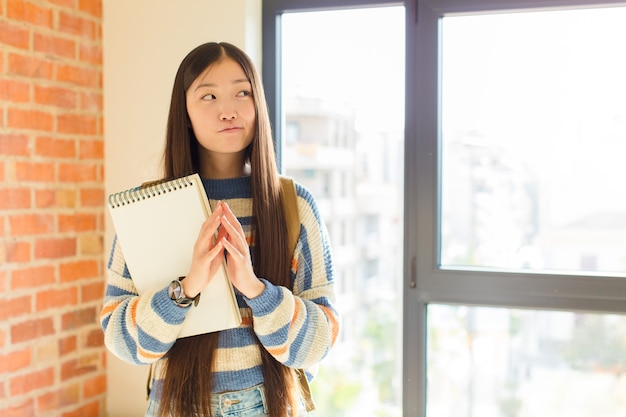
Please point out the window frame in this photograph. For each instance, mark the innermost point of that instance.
(424, 280)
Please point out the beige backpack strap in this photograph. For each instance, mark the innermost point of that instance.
(149, 382)
(290, 207)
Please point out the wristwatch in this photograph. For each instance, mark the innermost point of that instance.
(176, 293)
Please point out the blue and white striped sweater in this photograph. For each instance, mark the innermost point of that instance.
(297, 328)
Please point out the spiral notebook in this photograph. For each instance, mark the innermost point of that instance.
(157, 226)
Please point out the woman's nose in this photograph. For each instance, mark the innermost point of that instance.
(228, 114)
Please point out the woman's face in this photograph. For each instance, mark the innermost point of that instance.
(221, 108)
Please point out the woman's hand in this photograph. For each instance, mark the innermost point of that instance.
(207, 254)
(238, 259)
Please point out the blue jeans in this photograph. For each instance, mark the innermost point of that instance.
(245, 403)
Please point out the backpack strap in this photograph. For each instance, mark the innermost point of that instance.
(290, 207)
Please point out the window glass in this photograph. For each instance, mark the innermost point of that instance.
(343, 87)
(533, 141)
(498, 362)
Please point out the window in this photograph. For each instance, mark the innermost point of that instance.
(503, 282)
(533, 128)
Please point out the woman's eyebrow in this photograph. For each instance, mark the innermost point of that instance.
(211, 85)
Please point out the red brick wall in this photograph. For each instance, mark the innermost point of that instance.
(52, 359)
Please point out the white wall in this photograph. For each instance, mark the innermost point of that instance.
(144, 41)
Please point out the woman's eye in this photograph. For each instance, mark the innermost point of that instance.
(244, 93)
(208, 97)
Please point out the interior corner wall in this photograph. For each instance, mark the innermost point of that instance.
(144, 42)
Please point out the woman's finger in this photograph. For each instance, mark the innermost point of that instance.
(207, 232)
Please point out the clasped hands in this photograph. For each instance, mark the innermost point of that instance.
(222, 231)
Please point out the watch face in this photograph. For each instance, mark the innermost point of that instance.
(175, 290)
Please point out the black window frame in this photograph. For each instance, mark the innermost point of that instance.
(425, 281)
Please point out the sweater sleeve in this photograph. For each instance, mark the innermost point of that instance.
(137, 329)
(299, 328)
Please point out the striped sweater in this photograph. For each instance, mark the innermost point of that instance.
(298, 328)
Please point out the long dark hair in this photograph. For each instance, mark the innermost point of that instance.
(188, 372)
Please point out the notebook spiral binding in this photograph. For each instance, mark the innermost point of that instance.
(148, 190)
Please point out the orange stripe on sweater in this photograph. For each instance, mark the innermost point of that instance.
(283, 349)
(334, 324)
(108, 309)
(277, 351)
(146, 354)
(296, 312)
(133, 311)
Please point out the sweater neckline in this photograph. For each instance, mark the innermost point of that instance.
(227, 188)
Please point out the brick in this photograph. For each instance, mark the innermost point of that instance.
(14, 91)
(15, 361)
(67, 345)
(56, 298)
(34, 171)
(78, 172)
(32, 277)
(77, 124)
(30, 67)
(92, 292)
(14, 198)
(91, 149)
(23, 409)
(30, 119)
(79, 76)
(32, 381)
(69, 394)
(91, 409)
(79, 318)
(95, 338)
(90, 53)
(15, 145)
(55, 46)
(47, 352)
(25, 11)
(92, 7)
(45, 198)
(95, 386)
(66, 198)
(92, 197)
(55, 148)
(74, 271)
(15, 307)
(55, 96)
(91, 244)
(79, 222)
(18, 252)
(91, 101)
(63, 397)
(74, 25)
(55, 248)
(32, 330)
(47, 402)
(31, 224)
(13, 35)
(78, 367)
